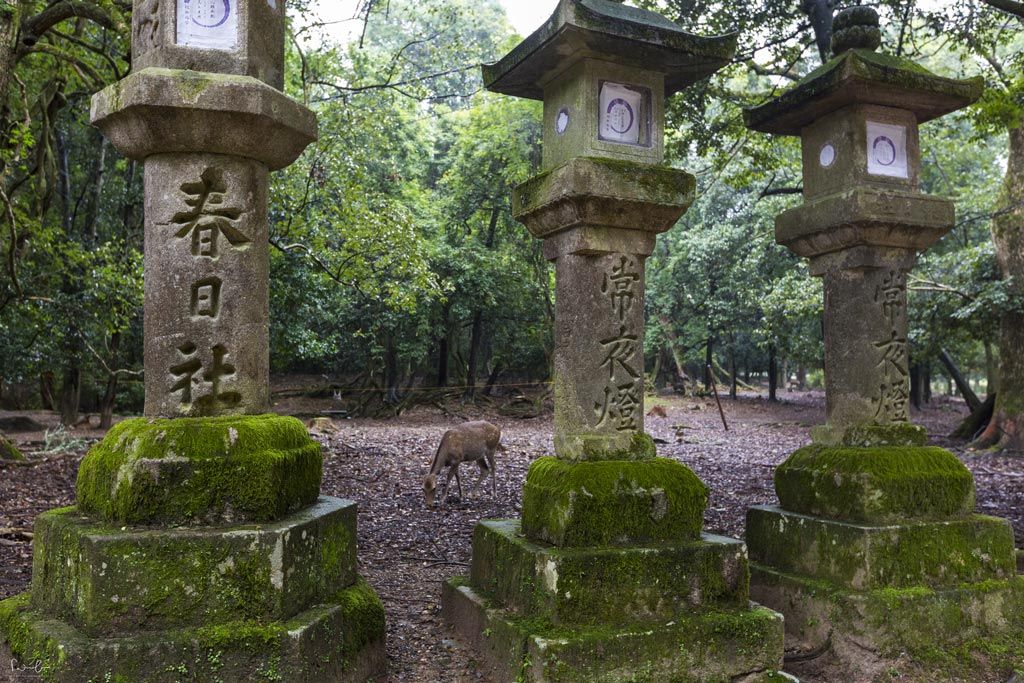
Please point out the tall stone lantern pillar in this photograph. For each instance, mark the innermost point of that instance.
(200, 547)
(607, 576)
(875, 545)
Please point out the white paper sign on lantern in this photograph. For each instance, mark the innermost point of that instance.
(887, 150)
(210, 24)
(621, 108)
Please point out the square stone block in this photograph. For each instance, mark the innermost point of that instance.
(195, 471)
(862, 557)
(879, 485)
(607, 585)
(612, 502)
(739, 644)
(340, 640)
(971, 632)
(104, 579)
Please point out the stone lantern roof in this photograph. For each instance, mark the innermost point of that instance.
(611, 31)
(859, 75)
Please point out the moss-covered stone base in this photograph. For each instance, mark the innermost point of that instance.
(105, 579)
(591, 586)
(860, 557)
(876, 485)
(970, 632)
(612, 502)
(720, 646)
(201, 471)
(341, 639)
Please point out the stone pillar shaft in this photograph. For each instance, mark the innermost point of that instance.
(206, 285)
(867, 378)
(599, 360)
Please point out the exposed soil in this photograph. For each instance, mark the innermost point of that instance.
(406, 550)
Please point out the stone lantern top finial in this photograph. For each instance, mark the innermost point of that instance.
(856, 28)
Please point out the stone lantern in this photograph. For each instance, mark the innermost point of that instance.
(200, 547)
(607, 576)
(868, 510)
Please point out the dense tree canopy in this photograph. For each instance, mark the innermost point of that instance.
(396, 262)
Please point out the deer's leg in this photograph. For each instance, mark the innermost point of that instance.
(480, 476)
(458, 481)
(452, 472)
(494, 473)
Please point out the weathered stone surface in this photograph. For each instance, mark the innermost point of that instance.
(106, 580)
(244, 37)
(867, 373)
(340, 640)
(721, 645)
(201, 471)
(874, 629)
(160, 110)
(603, 193)
(595, 586)
(206, 286)
(942, 554)
(862, 76)
(612, 502)
(864, 217)
(875, 485)
(613, 32)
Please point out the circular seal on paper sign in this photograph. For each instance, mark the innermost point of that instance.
(216, 12)
(884, 150)
(620, 116)
(562, 120)
(827, 156)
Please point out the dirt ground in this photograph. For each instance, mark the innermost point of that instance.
(406, 550)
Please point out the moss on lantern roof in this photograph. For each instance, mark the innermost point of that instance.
(862, 76)
(614, 32)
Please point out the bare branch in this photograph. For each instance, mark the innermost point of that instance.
(1014, 7)
(36, 26)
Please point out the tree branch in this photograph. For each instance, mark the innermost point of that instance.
(1014, 7)
(36, 26)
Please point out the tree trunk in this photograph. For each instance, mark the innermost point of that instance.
(492, 378)
(991, 369)
(709, 356)
(926, 381)
(391, 380)
(70, 394)
(801, 377)
(1004, 431)
(475, 336)
(733, 379)
(961, 382)
(442, 350)
(773, 375)
(110, 393)
(46, 391)
(10, 20)
(677, 356)
(916, 386)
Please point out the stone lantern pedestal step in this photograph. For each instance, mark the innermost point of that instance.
(676, 611)
(238, 573)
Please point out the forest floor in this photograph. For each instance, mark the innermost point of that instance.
(406, 550)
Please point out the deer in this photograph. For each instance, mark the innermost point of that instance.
(470, 441)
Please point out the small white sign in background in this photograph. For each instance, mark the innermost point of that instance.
(211, 24)
(620, 113)
(887, 150)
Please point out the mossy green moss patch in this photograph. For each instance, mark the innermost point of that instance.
(612, 502)
(8, 451)
(875, 485)
(201, 471)
(933, 554)
(591, 586)
(702, 646)
(106, 580)
(340, 639)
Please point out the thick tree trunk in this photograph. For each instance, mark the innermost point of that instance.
(917, 385)
(70, 395)
(991, 369)
(11, 12)
(1005, 430)
(773, 375)
(733, 380)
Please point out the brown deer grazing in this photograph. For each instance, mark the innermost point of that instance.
(470, 441)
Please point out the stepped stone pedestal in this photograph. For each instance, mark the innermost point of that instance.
(607, 576)
(875, 552)
(200, 547)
